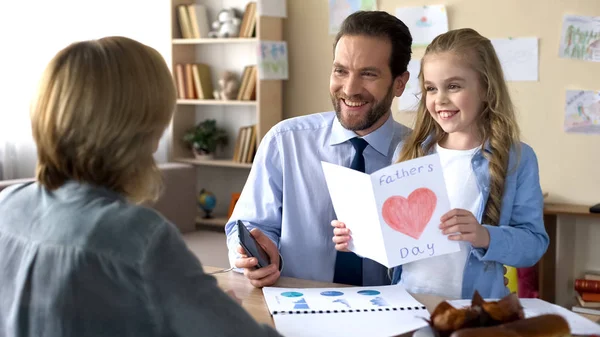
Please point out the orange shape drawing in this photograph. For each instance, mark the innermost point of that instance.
(410, 215)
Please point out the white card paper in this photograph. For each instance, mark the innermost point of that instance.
(393, 213)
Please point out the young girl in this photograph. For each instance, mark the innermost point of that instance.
(467, 117)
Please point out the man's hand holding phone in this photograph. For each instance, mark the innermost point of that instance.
(258, 276)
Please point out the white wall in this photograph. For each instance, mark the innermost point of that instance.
(32, 32)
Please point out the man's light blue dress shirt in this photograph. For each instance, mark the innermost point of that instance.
(286, 195)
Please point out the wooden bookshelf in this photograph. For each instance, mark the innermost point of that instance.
(222, 176)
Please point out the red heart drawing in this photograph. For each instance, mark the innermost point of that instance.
(410, 215)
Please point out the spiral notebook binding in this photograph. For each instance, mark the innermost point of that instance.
(292, 312)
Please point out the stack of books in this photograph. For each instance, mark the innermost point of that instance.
(588, 294)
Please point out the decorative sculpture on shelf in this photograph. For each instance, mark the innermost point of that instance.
(228, 87)
(226, 25)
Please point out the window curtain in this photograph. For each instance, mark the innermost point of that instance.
(51, 26)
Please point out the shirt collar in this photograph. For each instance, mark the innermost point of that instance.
(487, 147)
(379, 139)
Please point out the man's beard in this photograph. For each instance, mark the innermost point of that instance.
(379, 109)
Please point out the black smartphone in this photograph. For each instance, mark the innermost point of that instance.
(252, 247)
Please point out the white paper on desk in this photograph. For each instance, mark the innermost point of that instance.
(409, 101)
(518, 57)
(372, 324)
(393, 213)
(535, 307)
(348, 311)
(424, 22)
(300, 300)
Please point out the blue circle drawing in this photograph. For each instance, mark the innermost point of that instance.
(291, 294)
(332, 293)
(369, 292)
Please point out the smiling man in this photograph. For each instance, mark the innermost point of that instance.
(285, 200)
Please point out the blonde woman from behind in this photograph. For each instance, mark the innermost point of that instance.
(79, 255)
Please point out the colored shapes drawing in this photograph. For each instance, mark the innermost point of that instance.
(291, 294)
(410, 215)
(343, 301)
(301, 304)
(379, 301)
(332, 293)
(369, 292)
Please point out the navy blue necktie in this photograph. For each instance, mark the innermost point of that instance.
(348, 266)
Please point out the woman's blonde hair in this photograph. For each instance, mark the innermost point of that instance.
(497, 123)
(100, 109)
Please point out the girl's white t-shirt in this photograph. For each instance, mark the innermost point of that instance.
(443, 275)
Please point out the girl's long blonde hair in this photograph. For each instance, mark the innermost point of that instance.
(497, 123)
(99, 111)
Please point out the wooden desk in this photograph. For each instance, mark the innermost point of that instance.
(556, 272)
(254, 302)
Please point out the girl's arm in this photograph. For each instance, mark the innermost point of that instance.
(521, 239)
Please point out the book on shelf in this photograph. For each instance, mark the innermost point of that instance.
(192, 21)
(247, 27)
(591, 300)
(198, 19)
(247, 90)
(194, 81)
(189, 82)
(183, 20)
(179, 78)
(592, 276)
(587, 286)
(587, 292)
(245, 145)
(203, 81)
(589, 311)
(243, 83)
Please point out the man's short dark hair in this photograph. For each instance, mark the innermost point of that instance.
(383, 25)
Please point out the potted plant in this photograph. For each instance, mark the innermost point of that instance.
(204, 139)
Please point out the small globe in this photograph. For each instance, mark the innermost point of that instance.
(207, 202)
